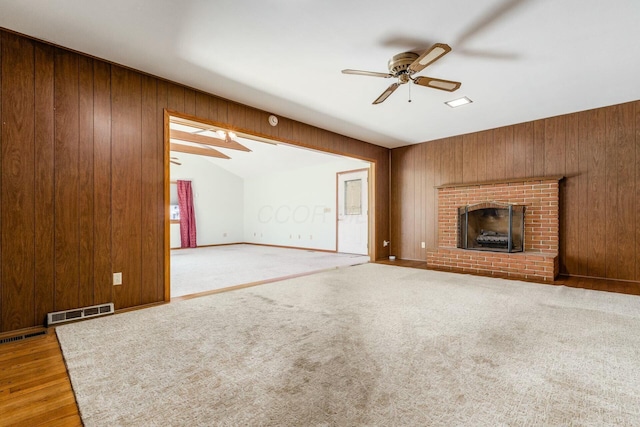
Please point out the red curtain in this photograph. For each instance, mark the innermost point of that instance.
(187, 215)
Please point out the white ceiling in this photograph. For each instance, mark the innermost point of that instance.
(518, 60)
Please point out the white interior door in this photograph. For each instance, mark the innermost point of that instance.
(353, 212)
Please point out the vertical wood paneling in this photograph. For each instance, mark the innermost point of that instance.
(175, 97)
(253, 121)
(470, 158)
(554, 145)
(418, 197)
(126, 184)
(44, 184)
(611, 149)
(625, 217)
(66, 180)
(636, 208)
(203, 106)
(581, 250)
(151, 185)
(82, 177)
(189, 101)
(447, 162)
(596, 151)
(102, 279)
(570, 198)
(523, 150)
(425, 189)
(162, 93)
(538, 148)
(396, 196)
(85, 182)
(484, 142)
(431, 200)
(592, 197)
(17, 198)
(236, 115)
(286, 128)
(458, 158)
(219, 110)
(509, 152)
(503, 151)
(408, 204)
(597, 208)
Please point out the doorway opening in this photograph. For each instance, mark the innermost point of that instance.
(251, 192)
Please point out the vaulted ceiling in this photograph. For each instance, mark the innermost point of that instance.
(518, 60)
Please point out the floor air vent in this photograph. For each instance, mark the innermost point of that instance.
(79, 313)
(22, 337)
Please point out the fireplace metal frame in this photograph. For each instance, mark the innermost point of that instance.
(464, 234)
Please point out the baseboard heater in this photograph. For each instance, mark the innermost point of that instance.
(58, 317)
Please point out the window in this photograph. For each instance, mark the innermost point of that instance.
(353, 197)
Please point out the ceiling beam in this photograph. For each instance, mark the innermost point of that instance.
(209, 152)
(207, 140)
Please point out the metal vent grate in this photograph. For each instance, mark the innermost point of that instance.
(79, 313)
(22, 337)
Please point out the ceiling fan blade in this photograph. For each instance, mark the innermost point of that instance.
(436, 52)
(447, 85)
(490, 18)
(386, 93)
(175, 163)
(367, 73)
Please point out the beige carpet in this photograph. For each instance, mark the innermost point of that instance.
(196, 270)
(365, 345)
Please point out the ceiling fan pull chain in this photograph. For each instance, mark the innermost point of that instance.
(409, 93)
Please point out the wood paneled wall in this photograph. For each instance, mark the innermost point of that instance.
(598, 151)
(81, 177)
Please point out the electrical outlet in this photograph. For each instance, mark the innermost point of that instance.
(423, 245)
(117, 279)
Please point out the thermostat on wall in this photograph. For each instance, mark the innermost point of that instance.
(273, 120)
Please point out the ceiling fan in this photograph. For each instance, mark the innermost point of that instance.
(404, 65)
(175, 161)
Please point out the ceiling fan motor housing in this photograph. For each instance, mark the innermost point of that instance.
(399, 63)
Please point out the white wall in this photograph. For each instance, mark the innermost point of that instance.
(295, 207)
(218, 198)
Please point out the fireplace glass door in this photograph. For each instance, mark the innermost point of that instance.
(492, 227)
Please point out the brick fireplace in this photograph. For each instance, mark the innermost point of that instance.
(538, 261)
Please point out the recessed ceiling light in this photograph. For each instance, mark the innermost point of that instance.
(458, 102)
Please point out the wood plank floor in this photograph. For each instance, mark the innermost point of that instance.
(619, 286)
(35, 388)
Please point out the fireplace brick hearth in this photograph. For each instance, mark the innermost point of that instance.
(539, 261)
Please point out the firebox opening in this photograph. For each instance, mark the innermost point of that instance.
(492, 226)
